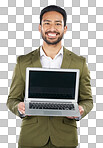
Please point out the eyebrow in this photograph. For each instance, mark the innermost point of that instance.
(51, 21)
(59, 21)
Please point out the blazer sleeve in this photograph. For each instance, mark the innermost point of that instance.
(17, 90)
(85, 94)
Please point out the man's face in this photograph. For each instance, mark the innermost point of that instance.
(52, 27)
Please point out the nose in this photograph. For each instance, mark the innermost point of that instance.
(52, 27)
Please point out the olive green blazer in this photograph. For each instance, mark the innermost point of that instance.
(35, 130)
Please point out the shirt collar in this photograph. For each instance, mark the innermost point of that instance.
(42, 53)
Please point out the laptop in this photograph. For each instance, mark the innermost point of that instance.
(51, 92)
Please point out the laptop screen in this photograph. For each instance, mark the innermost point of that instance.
(52, 84)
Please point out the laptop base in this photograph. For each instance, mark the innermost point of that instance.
(51, 112)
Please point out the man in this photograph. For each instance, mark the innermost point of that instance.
(45, 132)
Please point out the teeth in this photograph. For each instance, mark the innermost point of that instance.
(52, 34)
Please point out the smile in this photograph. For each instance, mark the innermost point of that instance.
(52, 35)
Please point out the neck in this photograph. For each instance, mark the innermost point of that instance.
(51, 50)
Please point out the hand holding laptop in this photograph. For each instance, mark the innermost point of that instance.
(81, 110)
(21, 108)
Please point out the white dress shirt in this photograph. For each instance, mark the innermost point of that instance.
(48, 62)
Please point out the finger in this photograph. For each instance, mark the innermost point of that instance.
(81, 112)
(72, 117)
(23, 109)
(81, 109)
(21, 105)
(23, 112)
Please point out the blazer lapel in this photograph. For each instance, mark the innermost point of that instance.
(36, 58)
(66, 58)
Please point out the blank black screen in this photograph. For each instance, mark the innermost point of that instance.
(52, 84)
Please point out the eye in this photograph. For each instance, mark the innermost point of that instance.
(58, 24)
(47, 23)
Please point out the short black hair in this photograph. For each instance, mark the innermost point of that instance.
(54, 8)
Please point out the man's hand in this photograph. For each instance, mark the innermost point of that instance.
(81, 110)
(21, 107)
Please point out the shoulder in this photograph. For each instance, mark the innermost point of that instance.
(75, 57)
(77, 61)
(78, 58)
(27, 57)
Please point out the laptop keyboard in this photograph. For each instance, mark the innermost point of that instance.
(57, 106)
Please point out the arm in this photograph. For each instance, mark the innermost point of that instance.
(85, 95)
(85, 100)
(17, 90)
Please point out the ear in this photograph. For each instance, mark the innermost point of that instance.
(39, 28)
(65, 29)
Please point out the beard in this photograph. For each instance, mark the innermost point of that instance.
(52, 42)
